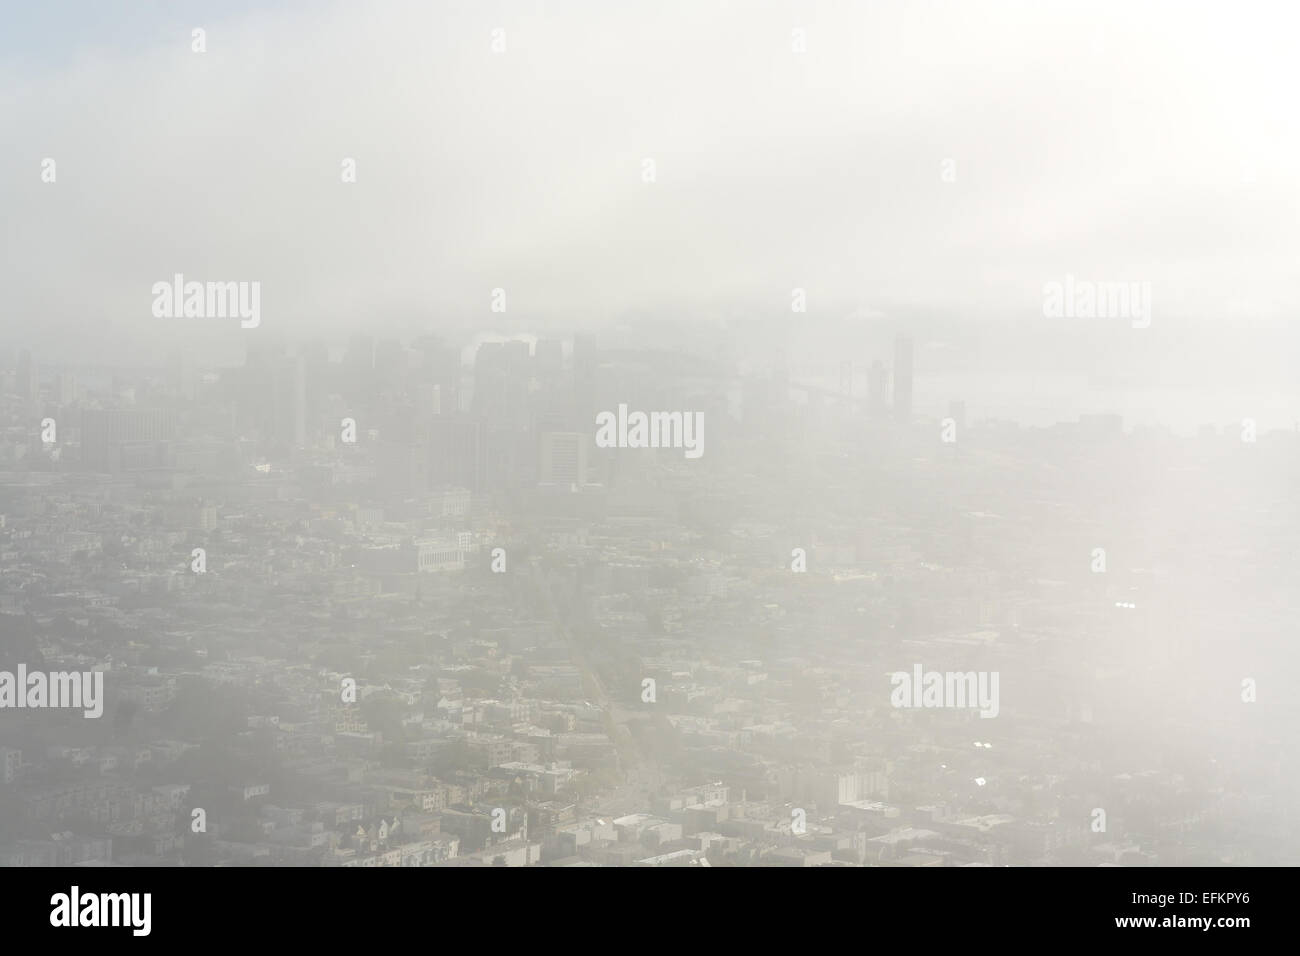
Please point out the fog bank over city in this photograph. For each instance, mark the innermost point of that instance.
(705, 434)
(944, 159)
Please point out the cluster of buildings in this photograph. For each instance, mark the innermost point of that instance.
(391, 606)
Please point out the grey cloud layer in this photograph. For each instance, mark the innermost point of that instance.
(1105, 141)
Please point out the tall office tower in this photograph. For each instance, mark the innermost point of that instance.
(182, 380)
(548, 359)
(549, 417)
(67, 388)
(359, 368)
(428, 399)
(27, 381)
(517, 403)
(877, 390)
(401, 466)
(846, 378)
(255, 390)
(439, 366)
(563, 458)
(402, 454)
(122, 439)
(903, 378)
(501, 373)
(489, 379)
(456, 453)
(586, 359)
(509, 456)
(289, 421)
(316, 368)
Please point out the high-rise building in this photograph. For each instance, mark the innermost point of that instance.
(509, 456)
(501, 374)
(877, 390)
(439, 366)
(182, 380)
(402, 467)
(846, 378)
(27, 380)
(119, 439)
(358, 371)
(903, 361)
(11, 761)
(456, 453)
(548, 358)
(255, 389)
(428, 398)
(290, 396)
(563, 458)
(67, 386)
(586, 359)
(317, 369)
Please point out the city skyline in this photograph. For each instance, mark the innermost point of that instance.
(547, 433)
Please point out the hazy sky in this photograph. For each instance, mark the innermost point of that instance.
(1112, 141)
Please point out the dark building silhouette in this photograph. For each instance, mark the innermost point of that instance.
(456, 453)
(123, 439)
(903, 378)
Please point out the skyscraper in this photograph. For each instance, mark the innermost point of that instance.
(903, 378)
(548, 359)
(563, 458)
(118, 439)
(290, 397)
(28, 380)
(439, 367)
(877, 390)
(846, 378)
(456, 453)
(501, 382)
(585, 361)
